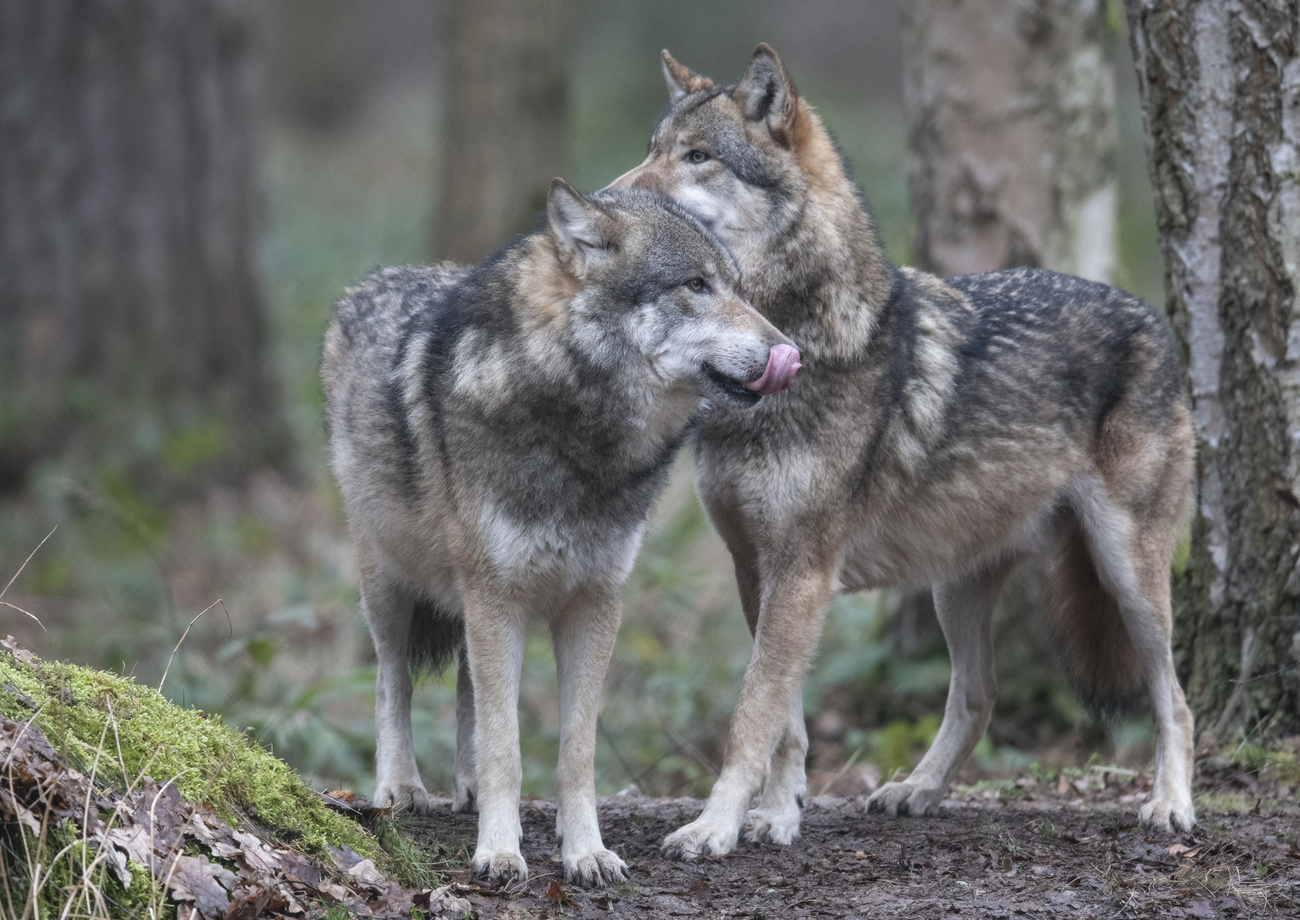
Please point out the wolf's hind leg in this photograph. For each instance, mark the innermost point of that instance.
(388, 608)
(1136, 570)
(965, 609)
(464, 796)
(583, 637)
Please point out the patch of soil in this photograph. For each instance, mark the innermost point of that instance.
(1037, 852)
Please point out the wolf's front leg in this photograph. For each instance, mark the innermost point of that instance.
(494, 639)
(583, 636)
(388, 608)
(788, 630)
(776, 817)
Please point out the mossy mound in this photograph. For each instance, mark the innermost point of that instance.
(131, 727)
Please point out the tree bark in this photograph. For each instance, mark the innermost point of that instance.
(504, 133)
(1220, 87)
(1012, 111)
(1013, 153)
(130, 315)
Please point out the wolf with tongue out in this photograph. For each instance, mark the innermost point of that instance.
(942, 430)
(499, 433)
(782, 363)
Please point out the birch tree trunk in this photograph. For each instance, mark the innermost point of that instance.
(1220, 86)
(131, 329)
(504, 127)
(1013, 145)
(1012, 111)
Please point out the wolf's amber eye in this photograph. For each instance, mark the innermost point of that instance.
(697, 156)
(698, 285)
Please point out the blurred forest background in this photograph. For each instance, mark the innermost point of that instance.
(167, 504)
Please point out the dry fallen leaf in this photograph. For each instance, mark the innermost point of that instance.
(333, 890)
(20, 654)
(365, 873)
(194, 878)
(437, 901)
(557, 894)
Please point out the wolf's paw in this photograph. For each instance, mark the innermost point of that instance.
(595, 869)
(464, 798)
(772, 825)
(407, 797)
(1170, 816)
(902, 799)
(499, 868)
(700, 838)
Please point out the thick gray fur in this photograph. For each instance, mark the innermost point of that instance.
(499, 433)
(940, 432)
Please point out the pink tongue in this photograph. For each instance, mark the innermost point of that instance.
(782, 363)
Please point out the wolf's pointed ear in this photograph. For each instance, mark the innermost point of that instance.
(576, 225)
(768, 94)
(682, 81)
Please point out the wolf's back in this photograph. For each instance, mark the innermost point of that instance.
(1079, 349)
(374, 314)
(372, 325)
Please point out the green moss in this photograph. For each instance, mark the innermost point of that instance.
(146, 892)
(72, 884)
(206, 760)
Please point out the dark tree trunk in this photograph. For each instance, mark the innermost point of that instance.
(1013, 146)
(1220, 87)
(505, 128)
(130, 315)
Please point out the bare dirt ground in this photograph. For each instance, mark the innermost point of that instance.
(1069, 848)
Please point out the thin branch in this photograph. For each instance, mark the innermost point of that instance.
(186, 633)
(28, 612)
(4, 603)
(27, 560)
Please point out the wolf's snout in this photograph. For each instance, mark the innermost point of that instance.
(646, 180)
(782, 364)
(640, 177)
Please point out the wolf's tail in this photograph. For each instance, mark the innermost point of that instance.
(436, 636)
(1100, 661)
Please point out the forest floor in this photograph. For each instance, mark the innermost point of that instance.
(1066, 847)
(1050, 844)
